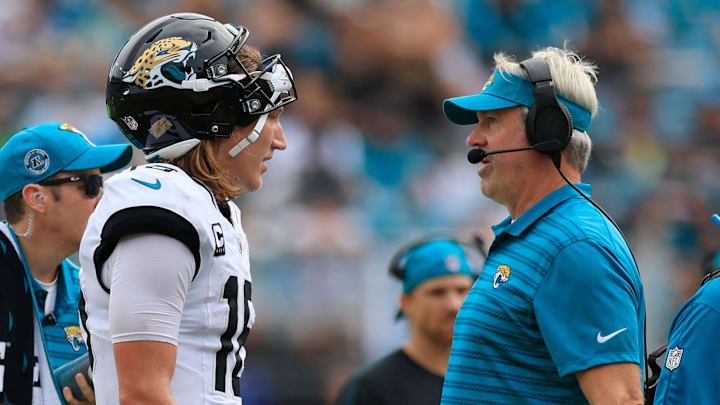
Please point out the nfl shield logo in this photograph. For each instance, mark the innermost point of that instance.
(673, 358)
(130, 122)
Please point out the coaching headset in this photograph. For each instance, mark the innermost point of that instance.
(549, 125)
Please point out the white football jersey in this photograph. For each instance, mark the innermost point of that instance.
(217, 315)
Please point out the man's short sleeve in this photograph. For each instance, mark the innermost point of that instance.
(587, 309)
(691, 362)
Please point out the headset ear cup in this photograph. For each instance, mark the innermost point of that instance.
(548, 119)
(530, 126)
(565, 126)
(556, 124)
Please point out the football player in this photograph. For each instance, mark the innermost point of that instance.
(165, 271)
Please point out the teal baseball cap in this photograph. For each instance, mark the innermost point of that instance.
(38, 152)
(505, 90)
(434, 258)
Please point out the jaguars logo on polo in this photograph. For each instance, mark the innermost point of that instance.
(502, 275)
(74, 337)
(163, 64)
(37, 161)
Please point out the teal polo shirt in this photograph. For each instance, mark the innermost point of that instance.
(62, 337)
(559, 293)
(692, 361)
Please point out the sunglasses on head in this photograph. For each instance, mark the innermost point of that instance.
(93, 183)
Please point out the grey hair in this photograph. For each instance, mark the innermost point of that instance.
(575, 79)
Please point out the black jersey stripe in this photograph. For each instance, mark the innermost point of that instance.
(144, 219)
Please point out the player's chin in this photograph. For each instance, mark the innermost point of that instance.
(256, 184)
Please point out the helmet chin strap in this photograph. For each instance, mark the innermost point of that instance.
(254, 135)
(280, 80)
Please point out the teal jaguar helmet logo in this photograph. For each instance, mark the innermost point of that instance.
(37, 161)
(163, 64)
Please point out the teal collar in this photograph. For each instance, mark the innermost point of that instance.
(542, 207)
(64, 287)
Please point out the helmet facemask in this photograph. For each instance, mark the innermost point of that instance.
(198, 100)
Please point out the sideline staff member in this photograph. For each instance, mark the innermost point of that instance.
(436, 277)
(691, 361)
(557, 314)
(50, 183)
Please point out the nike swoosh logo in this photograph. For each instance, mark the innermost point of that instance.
(603, 339)
(154, 186)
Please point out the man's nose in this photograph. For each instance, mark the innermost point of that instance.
(476, 138)
(279, 141)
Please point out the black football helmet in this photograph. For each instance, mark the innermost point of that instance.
(174, 83)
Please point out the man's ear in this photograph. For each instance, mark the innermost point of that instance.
(405, 300)
(35, 197)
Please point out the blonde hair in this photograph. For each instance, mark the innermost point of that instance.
(202, 164)
(575, 79)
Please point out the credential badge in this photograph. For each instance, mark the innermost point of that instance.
(673, 358)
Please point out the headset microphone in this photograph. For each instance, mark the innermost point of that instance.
(477, 155)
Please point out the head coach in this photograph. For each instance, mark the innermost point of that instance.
(557, 314)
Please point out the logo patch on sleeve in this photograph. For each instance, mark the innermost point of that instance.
(219, 239)
(673, 358)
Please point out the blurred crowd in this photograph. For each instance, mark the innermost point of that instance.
(372, 162)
